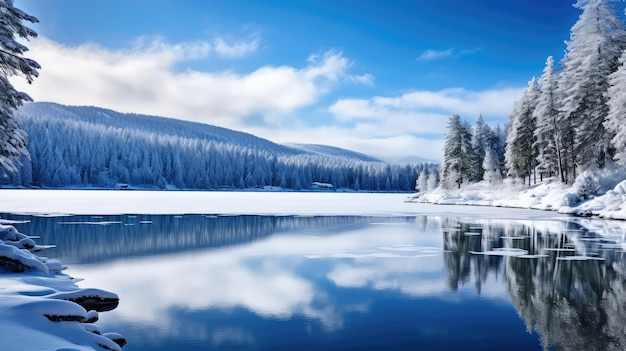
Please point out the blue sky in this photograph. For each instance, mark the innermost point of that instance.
(379, 77)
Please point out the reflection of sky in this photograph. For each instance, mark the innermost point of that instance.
(320, 279)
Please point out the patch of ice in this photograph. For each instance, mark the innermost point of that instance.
(91, 223)
(581, 258)
(502, 252)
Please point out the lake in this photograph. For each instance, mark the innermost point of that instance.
(410, 282)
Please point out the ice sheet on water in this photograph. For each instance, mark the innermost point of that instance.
(581, 258)
(91, 223)
(13, 221)
(502, 252)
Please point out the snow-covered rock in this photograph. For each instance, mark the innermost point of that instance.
(43, 309)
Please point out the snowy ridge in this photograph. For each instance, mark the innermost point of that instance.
(41, 307)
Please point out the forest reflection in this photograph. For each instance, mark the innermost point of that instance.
(96, 239)
(569, 286)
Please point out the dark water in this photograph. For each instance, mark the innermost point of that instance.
(347, 283)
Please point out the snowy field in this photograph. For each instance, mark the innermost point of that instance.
(98, 202)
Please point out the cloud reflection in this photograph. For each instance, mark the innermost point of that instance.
(264, 276)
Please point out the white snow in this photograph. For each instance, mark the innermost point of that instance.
(90, 202)
(548, 195)
(36, 302)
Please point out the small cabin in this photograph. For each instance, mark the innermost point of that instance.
(322, 186)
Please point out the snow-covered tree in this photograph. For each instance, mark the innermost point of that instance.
(481, 141)
(491, 167)
(521, 152)
(616, 119)
(12, 63)
(422, 181)
(499, 144)
(432, 181)
(457, 164)
(596, 42)
(549, 131)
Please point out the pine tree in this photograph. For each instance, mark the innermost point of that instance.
(431, 182)
(616, 119)
(480, 141)
(549, 131)
(12, 63)
(521, 152)
(596, 42)
(491, 167)
(421, 184)
(458, 153)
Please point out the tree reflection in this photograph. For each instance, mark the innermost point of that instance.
(570, 287)
(97, 239)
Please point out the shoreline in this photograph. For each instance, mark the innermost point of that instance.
(42, 307)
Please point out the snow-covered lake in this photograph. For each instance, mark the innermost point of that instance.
(334, 271)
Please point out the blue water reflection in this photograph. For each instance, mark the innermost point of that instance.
(347, 283)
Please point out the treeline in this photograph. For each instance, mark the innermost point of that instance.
(569, 121)
(93, 151)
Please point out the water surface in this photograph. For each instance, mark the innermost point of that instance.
(210, 282)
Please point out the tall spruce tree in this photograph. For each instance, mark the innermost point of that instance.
(596, 42)
(481, 139)
(549, 131)
(616, 119)
(12, 63)
(457, 166)
(521, 152)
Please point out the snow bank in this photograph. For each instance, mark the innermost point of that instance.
(41, 308)
(548, 195)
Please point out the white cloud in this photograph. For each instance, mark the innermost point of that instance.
(381, 141)
(150, 78)
(237, 49)
(469, 51)
(146, 79)
(430, 55)
(435, 54)
(423, 110)
(409, 122)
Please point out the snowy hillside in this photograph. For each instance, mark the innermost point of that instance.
(81, 147)
(148, 124)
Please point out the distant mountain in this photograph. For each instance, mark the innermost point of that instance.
(82, 146)
(411, 159)
(333, 151)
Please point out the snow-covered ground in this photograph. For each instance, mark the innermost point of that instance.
(42, 308)
(548, 195)
(103, 202)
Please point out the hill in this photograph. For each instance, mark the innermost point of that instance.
(82, 146)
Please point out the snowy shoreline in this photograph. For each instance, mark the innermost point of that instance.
(42, 308)
(547, 196)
